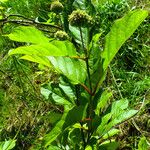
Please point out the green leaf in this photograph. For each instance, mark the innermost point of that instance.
(111, 133)
(73, 69)
(60, 94)
(57, 91)
(7, 145)
(38, 59)
(56, 131)
(66, 47)
(102, 127)
(3, 1)
(143, 144)
(46, 49)
(103, 102)
(53, 116)
(76, 34)
(75, 136)
(121, 30)
(51, 147)
(95, 61)
(118, 114)
(118, 106)
(88, 147)
(109, 146)
(75, 115)
(28, 34)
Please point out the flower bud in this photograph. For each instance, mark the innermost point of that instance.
(56, 7)
(61, 35)
(79, 18)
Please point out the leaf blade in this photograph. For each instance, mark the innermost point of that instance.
(121, 30)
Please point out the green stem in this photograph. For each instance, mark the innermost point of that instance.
(83, 136)
(86, 60)
(78, 94)
(90, 85)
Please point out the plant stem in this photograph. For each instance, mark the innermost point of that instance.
(78, 94)
(90, 85)
(86, 60)
(83, 136)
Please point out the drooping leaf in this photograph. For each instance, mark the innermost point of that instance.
(60, 94)
(28, 34)
(121, 30)
(73, 69)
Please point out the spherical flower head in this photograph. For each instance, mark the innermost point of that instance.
(79, 18)
(56, 7)
(61, 35)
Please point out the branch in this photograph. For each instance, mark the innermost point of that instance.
(26, 21)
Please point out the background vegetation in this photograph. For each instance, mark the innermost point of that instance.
(27, 116)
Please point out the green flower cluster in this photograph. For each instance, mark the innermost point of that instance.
(79, 18)
(56, 7)
(61, 35)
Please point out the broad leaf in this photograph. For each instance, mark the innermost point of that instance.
(56, 131)
(73, 69)
(118, 114)
(103, 102)
(76, 34)
(119, 106)
(95, 61)
(121, 30)
(75, 115)
(47, 49)
(38, 59)
(60, 94)
(66, 47)
(28, 34)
